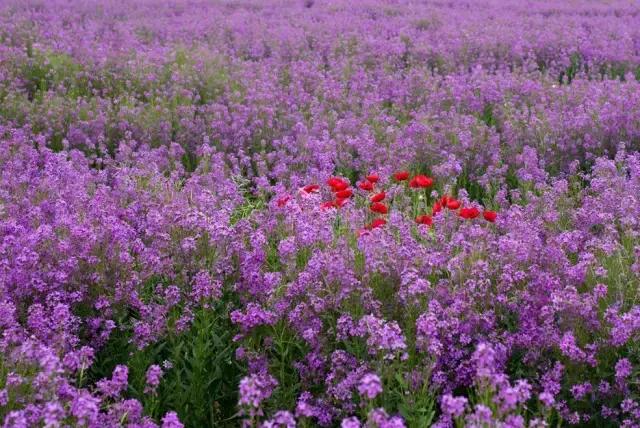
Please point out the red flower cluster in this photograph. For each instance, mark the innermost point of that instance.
(343, 192)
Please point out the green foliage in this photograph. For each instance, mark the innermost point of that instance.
(201, 385)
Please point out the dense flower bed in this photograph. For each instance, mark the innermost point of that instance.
(384, 213)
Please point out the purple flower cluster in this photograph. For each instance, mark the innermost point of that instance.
(164, 166)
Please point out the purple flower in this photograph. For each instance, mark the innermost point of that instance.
(153, 377)
(453, 406)
(370, 386)
(256, 388)
(171, 420)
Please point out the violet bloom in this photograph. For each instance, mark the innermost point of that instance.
(256, 388)
(453, 406)
(153, 377)
(171, 420)
(370, 386)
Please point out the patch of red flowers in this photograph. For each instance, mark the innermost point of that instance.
(343, 192)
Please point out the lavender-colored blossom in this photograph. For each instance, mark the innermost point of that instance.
(370, 386)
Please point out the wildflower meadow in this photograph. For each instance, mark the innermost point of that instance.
(319, 213)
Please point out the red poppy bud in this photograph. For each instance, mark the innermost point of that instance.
(490, 216)
(311, 188)
(378, 222)
(453, 204)
(401, 175)
(469, 213)
(379, 208)
(378, 197)
(437, 207)
(366, 185)
(424, 219)
(373, 178)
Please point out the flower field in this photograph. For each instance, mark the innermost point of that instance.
(333, 213)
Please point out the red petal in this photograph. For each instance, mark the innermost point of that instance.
(376, 223)
(378, 197)
(343, 194)
(453, 204)
(366, 185)
(283, 201)
(311, 188)
(401, 175)
(490, 216)
(377, 207)
(373, 178)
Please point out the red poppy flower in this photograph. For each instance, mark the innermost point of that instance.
(469, 213)
(490, 216)
(401, 175)
(437, 207)
(283, 200)
(333, 181)
(378, 222)
(366, 185)
(453, 204)
(421, 181)
(327, 205)
(311, 188)
(337, 184)
(424, 219)
(340, 202)
(373, 178)
(344, 194)
(378, 197)
(379, 208)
